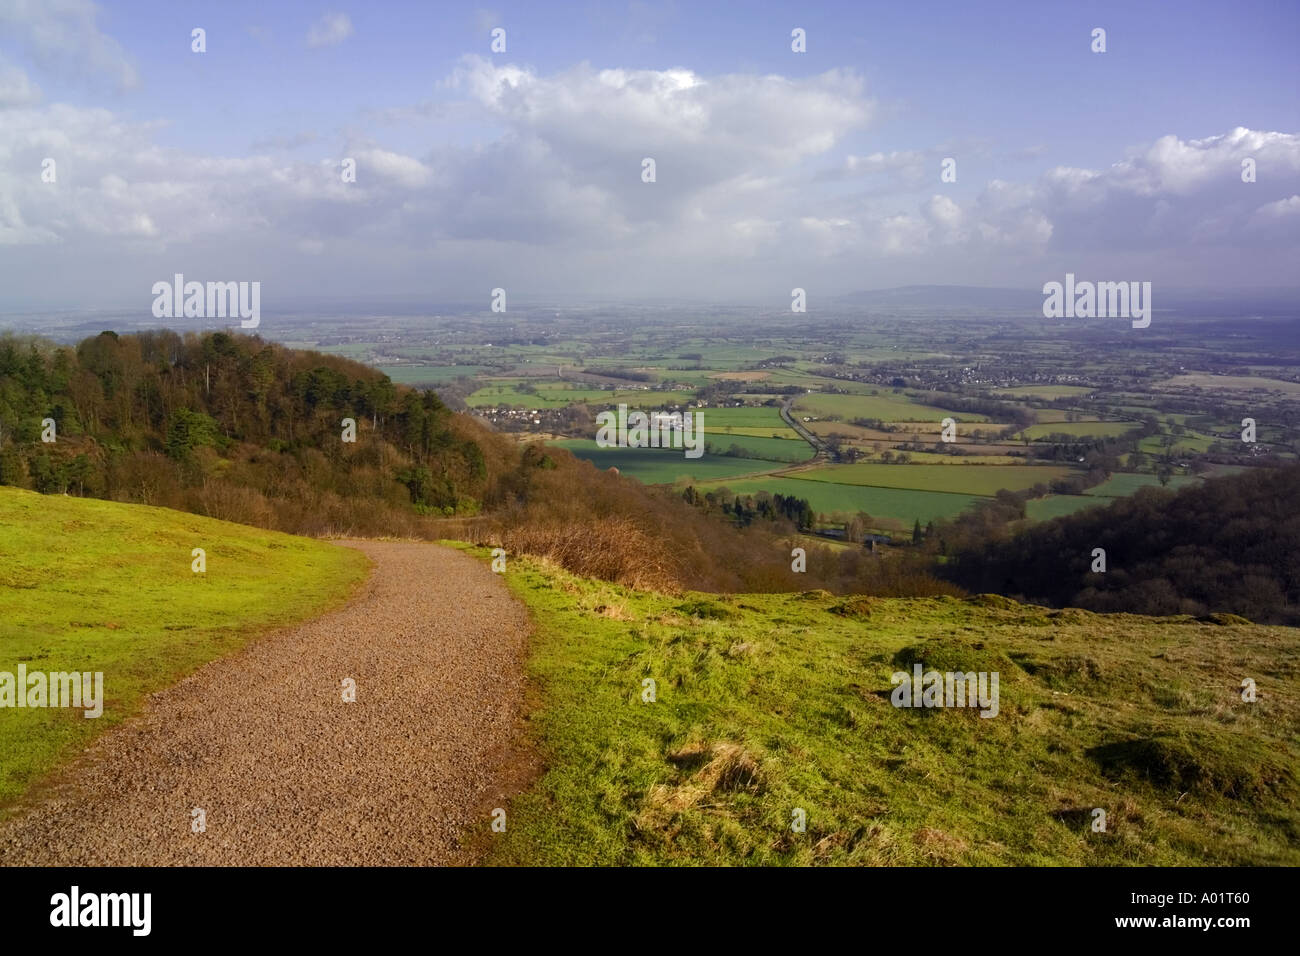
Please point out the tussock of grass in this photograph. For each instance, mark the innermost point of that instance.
(856, 608)
(708, 610)
(782, 705)
(1185, 760)
(948, 654)
(1223, 619)
(1072, 672)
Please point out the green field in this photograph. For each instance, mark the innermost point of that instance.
(1049, 392)
(785, 431)
(1232, 383)
(655, 466)
(768, 704)
(1048, 415)
(553, 395)
(88, 585)
(1189, 442)
(897, 504)
(428, 374)
(951, 461)
(509, 394)
(747, 417)
(1080, 429)
(973, 480)
(1122, 485)
(1058, 506)
(770, 449)
(756, 422)
(886, 407)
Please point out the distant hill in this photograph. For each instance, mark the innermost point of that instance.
(1221, 302)
(948, 297)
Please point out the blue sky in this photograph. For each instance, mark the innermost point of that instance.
(522, 169)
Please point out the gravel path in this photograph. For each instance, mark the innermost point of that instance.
(286, 771)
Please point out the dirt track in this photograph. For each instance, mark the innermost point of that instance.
(286, 771)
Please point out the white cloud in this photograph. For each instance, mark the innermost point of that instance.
(722, 126)
(1282, 209)
(15, 88)
(63, 36)
(405, 171)
(330, 30)
(550, 193)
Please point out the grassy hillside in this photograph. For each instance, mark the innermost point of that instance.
(768, 703)
(89, 585)
(236, 428)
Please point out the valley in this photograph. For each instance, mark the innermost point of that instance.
(855, 400)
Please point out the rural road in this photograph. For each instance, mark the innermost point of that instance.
(288, 773)
(818, 445)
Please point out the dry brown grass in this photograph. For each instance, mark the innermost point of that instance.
(613, 549)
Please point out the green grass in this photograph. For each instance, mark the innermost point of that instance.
(1121, 485)
(898, 504)
(769, 449)
(555, 395)
(768, 703)
(885, 406)
(1080, 429)
(1048, 415)
(88, 585)
(1056, 506)
(1049, 392)
(502, 393)
(762, 416)
(661, 466)
(934, 458)
(1249, 384)
(973, 480)
(756, 422)
(784, 432)
(1189, 442)
(572, 394)
(428, 374)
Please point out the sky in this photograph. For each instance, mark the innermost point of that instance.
(126, 156)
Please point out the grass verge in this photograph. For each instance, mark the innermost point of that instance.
(766, 704)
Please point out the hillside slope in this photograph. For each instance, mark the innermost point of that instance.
(237, 428)
(765, 704)
(1231, 544)
(90, 585)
